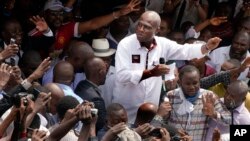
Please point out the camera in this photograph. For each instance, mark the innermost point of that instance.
(155, 133)
(94, 111)
(16, 99)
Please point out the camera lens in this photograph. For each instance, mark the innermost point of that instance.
(25, 101)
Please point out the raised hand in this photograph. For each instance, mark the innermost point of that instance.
(165, 134)
(41, 69)
(132, 6)
(218, 20)
(17, 74)
(41, 24)
(144, 129)
(9, 51)
(84, 114)
(164, 109)
(116, 129)
(41, 101)
(208, 105)
(213, 43)
(5, 72)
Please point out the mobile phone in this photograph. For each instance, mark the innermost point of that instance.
(36, 93)
(155, 133)
(12, 41)
(12, 61)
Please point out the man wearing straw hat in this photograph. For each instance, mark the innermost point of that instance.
(102, 49)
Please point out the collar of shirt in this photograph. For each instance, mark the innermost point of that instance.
(240, 108)
(153, 44)
(92, 84)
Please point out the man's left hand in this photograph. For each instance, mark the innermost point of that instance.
(208, 105)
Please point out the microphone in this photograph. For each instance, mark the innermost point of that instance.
(162, 61)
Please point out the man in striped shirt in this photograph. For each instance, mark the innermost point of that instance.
(190, 108)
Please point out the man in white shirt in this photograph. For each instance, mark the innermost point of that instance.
(238, 50)
(137, 63)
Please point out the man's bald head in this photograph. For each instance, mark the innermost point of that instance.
(78, 53)
(63, 73)
(79, 47)
(56, 94)
(95, 70)
(238, 88)
(145, 113)
(154, 18)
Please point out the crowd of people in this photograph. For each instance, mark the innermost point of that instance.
(133, 70)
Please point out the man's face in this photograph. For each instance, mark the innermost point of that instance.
(54, 18)
(164, 29)
(244, 27)
(205, 36)
(102, 73)
(117, 117)
(145, 29)
(239, 47)
(190, 83)
(13, 30)
(107, 61)
(231, 98)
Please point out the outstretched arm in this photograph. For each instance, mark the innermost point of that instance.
(215, 21)
(106, 19)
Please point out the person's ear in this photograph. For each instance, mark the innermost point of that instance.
(158, 29)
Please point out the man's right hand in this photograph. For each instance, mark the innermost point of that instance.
(132, 6)
(9, 51)
(41, 69)
(217, 20)
(5, 72)
(159, 70)
(41, 24)
(164, 109)
(144, 129)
